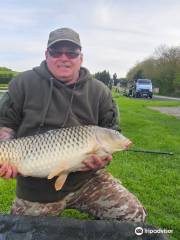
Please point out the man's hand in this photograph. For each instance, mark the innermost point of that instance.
(95, 163)
(6, 133)
(7, 171)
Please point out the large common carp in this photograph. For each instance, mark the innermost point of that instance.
(61, 151)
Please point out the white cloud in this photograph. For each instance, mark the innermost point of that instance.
(115, 34)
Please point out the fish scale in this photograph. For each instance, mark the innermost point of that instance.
(61, 151)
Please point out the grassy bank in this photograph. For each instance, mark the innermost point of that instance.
(153, 178)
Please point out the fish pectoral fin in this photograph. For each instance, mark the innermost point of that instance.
(93, 151)
(56, 172)
(60, 181)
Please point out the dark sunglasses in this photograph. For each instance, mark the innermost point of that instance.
(70, 54)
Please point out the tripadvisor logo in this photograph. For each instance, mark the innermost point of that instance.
(139, 231)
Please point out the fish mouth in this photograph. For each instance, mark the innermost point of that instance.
(123, 146)
(127, 144)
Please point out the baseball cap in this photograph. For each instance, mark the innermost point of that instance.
(63, 34)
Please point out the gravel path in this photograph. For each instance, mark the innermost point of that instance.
(175, 111)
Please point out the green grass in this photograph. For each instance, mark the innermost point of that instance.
(3, 86)
(153, 178)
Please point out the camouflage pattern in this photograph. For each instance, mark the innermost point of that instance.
(103, 196)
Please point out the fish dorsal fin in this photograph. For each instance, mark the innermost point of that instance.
(60, 181)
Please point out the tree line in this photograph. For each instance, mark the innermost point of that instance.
(163, 68)
(106, 78)
(6, 75)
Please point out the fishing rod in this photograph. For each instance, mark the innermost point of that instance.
(150, 151)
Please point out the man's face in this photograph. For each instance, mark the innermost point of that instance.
(64, 61)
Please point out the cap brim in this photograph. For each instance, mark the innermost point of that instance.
(64, 40)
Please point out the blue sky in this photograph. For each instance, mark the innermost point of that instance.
(115, 34)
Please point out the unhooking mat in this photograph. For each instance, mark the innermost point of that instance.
(56, 228)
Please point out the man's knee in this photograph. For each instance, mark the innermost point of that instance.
(138, 214)
(134, 213)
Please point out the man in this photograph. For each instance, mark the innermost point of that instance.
(61, 93)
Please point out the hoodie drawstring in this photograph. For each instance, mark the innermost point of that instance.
(47, 105)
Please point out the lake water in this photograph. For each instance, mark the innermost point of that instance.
(2, 93)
